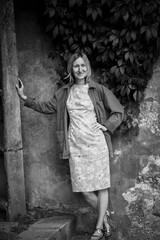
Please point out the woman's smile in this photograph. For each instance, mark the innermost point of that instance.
(79, 69)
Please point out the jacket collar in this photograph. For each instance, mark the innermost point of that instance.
(91, 84)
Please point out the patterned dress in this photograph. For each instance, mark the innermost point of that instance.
(89, 156)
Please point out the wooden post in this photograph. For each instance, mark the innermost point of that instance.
(13, 151)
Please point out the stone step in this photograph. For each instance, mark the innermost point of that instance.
(81, 237)
(84, 237)
(54, 228)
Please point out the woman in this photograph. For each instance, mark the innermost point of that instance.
(87, 113)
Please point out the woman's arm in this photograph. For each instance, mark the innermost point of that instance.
(20, 90)
(46, 107)
(116, 110)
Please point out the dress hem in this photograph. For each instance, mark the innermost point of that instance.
(93, 190)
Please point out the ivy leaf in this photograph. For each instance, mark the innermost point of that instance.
(131, 57)
(143, 29)
(84, 38)
(55, 32)
(123, 90)
(120, 62)
(74, 47)
(99, 11)
(61, 29)
(50, 27)
(126, 16)
(103, 2)
(72, 2)
(94, 44)
(128, 91)
(154, 32)
(84, 26)
(119, 87)
(128, 37)
(71, 41)
(88, 50)
(79, 3)
(137, 96)
(121, 70)
(132, 86)
(89, 37)
(54, 3)
(111, 55)
(112, 38)
(66, 30)
(118, 52)
(126, 56)
(115, 42)
(89, 11)
(148, 34)
(117, 72)
(123, 32)
(104, 57)
(94, 15)
(51, 12)
(113, 69)
(133, 35)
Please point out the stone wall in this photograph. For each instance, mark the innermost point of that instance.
(136, 170)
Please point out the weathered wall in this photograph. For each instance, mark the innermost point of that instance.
(136, 170)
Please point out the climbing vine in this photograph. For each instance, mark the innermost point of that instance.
(120, 37)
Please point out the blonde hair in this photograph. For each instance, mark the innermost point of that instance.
(71, 60)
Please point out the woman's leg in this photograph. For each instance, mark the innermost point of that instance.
(102, 206)
(91, 198)
(98, 202)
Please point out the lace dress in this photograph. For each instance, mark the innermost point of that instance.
(89, 157)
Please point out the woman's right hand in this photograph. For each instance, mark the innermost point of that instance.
(20, 88)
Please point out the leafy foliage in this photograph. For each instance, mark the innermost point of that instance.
(120, 37)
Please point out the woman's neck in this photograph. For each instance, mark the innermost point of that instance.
(80, 81)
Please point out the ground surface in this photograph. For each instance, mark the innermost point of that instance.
(32, 216)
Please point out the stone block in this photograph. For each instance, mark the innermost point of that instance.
(54, 228)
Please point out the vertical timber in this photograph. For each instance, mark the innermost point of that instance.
(13, 151)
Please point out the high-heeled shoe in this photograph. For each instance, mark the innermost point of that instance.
(97, 235)
(107, 227)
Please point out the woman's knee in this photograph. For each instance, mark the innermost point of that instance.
(103, 191)
(87, 195)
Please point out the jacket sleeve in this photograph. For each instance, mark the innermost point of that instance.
(46, 107)
(115, 109)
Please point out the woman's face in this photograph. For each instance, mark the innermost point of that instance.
(79, 69)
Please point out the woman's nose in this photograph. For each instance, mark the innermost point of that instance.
(80, 68)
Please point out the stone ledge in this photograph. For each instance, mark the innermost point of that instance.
(54, 228)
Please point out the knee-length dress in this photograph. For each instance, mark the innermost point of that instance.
(89, 156)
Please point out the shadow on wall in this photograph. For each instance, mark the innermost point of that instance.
(29, 5)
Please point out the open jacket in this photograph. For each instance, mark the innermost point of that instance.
(109, 112)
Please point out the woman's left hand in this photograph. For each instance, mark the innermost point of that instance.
(98, 126)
